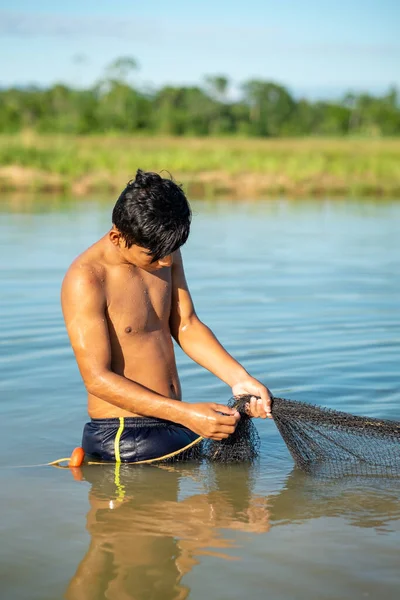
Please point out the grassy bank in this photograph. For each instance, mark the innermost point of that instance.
(207, 166)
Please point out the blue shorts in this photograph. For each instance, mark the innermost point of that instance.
(135, 439)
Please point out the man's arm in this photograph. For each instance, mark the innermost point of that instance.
(84, 303)
(199, 343)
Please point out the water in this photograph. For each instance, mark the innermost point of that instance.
(306, 296)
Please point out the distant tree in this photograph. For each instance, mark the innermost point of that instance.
(183, 110)
(121, 68)
(270, 105)
(217, 86)
(119, 104)
(373, 115)
(222, 120)
(265, 109)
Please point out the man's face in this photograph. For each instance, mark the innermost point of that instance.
(140, 257)
(137, 255)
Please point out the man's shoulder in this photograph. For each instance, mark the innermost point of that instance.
(86, 269)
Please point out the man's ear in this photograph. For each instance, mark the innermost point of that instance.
(115, 236)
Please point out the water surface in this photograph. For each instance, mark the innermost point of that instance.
(306, 296)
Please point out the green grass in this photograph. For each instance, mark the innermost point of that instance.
(229, 166)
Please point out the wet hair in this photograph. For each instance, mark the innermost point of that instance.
(154, 213)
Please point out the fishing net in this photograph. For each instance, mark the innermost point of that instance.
(241, 446)
(334, 443)
(321, 441)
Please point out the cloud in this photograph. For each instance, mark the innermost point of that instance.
(38, 25)
(156, 31)
(35, 25)
(349, 48)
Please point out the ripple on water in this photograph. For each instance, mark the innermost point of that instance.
(306, 295)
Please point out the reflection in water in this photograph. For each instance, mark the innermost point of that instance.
(144, 538)
(36, 204)
(146, 534)
(362, 501)
(32, 203)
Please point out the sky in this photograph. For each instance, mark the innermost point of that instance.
(315, 47)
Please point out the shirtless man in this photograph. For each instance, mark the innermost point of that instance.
(123, 300)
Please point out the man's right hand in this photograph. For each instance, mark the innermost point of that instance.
(206, 420)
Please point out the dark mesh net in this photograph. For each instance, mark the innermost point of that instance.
(321, 441)
(242, 446)
(333, 443)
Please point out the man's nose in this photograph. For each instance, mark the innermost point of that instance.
(166, 261)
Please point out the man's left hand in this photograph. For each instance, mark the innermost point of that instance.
(261, 398)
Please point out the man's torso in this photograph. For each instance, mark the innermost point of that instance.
(138, 306)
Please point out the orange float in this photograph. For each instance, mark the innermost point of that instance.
(77, 457)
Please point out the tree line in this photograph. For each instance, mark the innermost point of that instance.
(264, 109)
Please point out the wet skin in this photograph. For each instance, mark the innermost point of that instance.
(122, 310)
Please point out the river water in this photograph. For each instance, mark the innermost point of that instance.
(306, 295)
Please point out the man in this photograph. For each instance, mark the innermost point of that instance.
(122, 300)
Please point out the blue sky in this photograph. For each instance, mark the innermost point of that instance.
(316, 48)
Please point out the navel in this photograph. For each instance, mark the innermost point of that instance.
(128, 329)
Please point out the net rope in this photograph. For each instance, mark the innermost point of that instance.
(322, 441)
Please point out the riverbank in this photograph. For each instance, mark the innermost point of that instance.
(206, 166)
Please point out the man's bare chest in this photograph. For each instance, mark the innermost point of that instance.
(139, 303)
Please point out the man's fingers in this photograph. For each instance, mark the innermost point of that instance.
(228, 416)
(218, 437)
(221, 408)
(266, 400)
(228, 429)
(225, 421)
(258, 409)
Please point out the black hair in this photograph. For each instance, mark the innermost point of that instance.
(154, 213)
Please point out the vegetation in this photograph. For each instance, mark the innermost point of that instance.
(81, 141)
(207, 166)
(264, 109)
